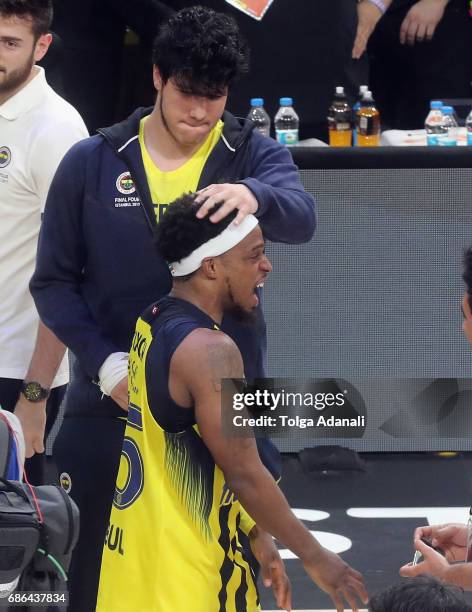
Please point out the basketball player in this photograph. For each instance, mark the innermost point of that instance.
(172, 542)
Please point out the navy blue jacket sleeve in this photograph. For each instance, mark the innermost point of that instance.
(286, 211)
(56, 285)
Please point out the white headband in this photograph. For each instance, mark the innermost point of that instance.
(225, 241)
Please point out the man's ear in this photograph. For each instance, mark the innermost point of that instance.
(209, 268)
(157, 78)
(42, 46)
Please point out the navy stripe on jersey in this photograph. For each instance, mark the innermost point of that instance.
(226, 569)
(135, 418)
(240, 595)
(240, 602)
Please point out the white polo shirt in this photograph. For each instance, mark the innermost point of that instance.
(37, 127)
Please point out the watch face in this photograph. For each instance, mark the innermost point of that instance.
(34, 392)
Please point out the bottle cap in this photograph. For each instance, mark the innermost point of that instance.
(257, 101)
(340, 91)
(367, 96)
(286, 101)
(435, 104)
(363, 89)
(447, 110)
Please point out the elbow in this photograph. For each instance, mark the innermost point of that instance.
(239, 479)
(308, 228)
(303, 228)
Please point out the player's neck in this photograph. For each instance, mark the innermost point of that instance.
(209, 304)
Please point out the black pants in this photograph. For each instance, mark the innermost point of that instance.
(405, 78)
(87, 454)
(9, 393)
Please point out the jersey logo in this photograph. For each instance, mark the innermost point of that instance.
(125, 184)
(66, 482)
(5, 157)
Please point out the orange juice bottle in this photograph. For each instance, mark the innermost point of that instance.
(339, 120)
(368, 122)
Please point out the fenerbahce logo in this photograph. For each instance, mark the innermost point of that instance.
(125, 185)
(5, 157)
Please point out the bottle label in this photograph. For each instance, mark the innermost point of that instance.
(432, 140)
(469, 139)
(287, 137)
(369, 126)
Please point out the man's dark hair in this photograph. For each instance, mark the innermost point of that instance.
(38, 11)
(180, 232)
(467, 273)
(421, 594)
(202, 50)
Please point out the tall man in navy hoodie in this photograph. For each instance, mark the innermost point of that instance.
(97, 267)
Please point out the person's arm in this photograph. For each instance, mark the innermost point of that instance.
(56, 285)
(421, 21)
(273, 192)
(48, 351)
(47, 356)
(368, 16)
(200, 362)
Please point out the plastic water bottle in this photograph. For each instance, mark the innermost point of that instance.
(468, 125)
(368, 122)
(449, 139)
(355, 108)
(259, 117)
(339, 120)
(433, 124)
(286, 123)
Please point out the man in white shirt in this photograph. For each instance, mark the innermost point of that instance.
(37, 127)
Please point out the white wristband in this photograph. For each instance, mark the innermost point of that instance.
(379, 4)
(113, 369)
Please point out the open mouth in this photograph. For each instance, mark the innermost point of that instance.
(259, 285)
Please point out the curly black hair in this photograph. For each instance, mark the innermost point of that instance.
(38, 11)
(420, 594)
(467, 273)
(180, 231)
(202, 50)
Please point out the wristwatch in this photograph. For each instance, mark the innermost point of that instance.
(33, 391)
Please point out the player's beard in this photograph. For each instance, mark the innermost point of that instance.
(15, 79)
(236, 311)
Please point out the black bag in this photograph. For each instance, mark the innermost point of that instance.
(40, 551)
(19, 530)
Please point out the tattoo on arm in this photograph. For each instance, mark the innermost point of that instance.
(224, 361)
